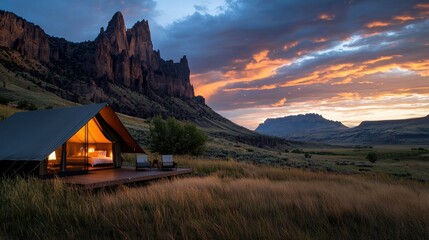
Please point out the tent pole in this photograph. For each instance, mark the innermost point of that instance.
(86, 148)
(63, 158)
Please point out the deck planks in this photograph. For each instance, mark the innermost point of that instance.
(117, 176)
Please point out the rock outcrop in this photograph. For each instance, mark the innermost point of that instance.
(125, 57)
(26, 38)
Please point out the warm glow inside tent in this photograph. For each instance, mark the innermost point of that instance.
(88, 148)
(94, 134)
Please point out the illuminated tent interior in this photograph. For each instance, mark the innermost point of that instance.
(64, 141)
(87, 149)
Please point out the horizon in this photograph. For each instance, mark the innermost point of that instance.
(349, 62)
(349, 126)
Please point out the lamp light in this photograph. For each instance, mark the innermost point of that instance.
(52, 156)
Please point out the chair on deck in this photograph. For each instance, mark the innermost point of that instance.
(167, 162)
(143, 162)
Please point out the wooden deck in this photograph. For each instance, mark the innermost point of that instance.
(117, 176)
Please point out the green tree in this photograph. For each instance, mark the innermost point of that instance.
(372, 157)
(172, 137)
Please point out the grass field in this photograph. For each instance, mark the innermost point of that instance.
(237, 191)
(221, 200)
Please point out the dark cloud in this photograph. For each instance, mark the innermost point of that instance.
(246, 27)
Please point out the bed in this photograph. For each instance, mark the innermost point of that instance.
(99, 158)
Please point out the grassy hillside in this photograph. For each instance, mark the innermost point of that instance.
(221, 200)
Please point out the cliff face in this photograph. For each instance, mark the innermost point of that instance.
(124, 57)
(127, 57)
(26, 38)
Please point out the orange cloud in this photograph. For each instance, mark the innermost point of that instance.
(312, 78)
(264, 87)
(261, 55)
(320, 40)
(339, 66)
(382, 58)
(366, 82)
(290, 45)
(345, 81)
(422, 6)
(280, 103)
(422, 67)
(342, 73)
(377, 24)
(206, 90)
(403, 92)
(347, 72)
(326, 16)
(348, 96)
(404, 18)
(260, 67)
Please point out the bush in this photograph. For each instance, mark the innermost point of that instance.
(297, 151)
(26, 105)
(4, 100)
(372, 157)
(172, 137)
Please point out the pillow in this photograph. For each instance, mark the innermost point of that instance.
(93, 154)
(102, 153)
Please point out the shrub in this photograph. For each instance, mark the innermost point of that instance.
(24, 104)
(297, 151)
(172, 137)
(4, 100)
(372, 157)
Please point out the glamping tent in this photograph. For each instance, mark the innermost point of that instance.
(63, 141)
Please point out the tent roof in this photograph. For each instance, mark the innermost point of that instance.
(34, 135)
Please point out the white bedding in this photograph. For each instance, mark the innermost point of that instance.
(100, 160)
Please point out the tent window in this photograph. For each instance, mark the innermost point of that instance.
(54, 161)
(87, 149)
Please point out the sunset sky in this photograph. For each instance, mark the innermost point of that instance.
(347, 60)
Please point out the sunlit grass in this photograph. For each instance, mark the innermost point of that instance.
(222, 200)
(6, 111)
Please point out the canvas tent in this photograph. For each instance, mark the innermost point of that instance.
(64, 141)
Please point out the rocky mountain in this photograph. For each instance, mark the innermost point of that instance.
(118, 55)
(119, 67)
(297, 126)
(315, 128)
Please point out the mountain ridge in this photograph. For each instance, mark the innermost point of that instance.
(402, 131)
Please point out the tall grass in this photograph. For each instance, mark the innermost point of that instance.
(229, 200)
(6, 111)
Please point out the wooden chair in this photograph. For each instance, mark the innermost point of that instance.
(167, 162)
(143, 162)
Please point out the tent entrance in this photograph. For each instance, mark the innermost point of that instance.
(88, 149)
